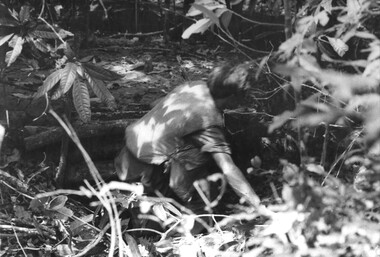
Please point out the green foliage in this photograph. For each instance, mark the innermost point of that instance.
(16, 29)
(78, 76)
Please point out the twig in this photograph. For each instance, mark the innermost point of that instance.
(104, 9)
(19, 229)
(61, 192)
(46, 108)
(42, 8)
(325, 143)
(21, 186)
(145, 229)
(59, 177)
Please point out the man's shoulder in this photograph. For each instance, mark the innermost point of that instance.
(198, 85)
(188, 108)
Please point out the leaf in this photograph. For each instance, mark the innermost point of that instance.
(87, 58)
(64, 250)
(317, 169)
(322, 18)
(22, 96)
(44, 31)
(61, 214)
(17, 48)
(225, 16)
(69, 74)
(57, 203)
(208, 13)
(159, 211)
(64, 33)
(338, 45)
(101, 91)
(21, 213)
(172, 209)
(24, 13)
(40, 45)
(49, 83)
(81, 99)
(375, 51)
(5, 39)
(372, 70)
(209, 4)
(44, 34)
(288, 47)
(199, 27)
(280, 120)
(38, 204)
(327, 5)
(135, 252)
(76, 225)
(100, 73)
(6, 18)
(309, 63)
(68, 51)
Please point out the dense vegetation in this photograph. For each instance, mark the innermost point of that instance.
(320, 151)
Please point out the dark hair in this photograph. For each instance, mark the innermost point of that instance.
(228, 79)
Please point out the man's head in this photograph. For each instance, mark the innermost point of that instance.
(227, 80)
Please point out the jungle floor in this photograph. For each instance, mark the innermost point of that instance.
(140, 85)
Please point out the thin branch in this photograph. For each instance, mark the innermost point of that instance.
(42, 9)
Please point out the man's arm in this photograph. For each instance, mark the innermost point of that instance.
(237, 180)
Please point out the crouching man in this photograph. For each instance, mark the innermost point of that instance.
(181, 138)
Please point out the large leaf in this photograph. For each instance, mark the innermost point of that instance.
(81, 99)
(199, 27)
(5, 38)
(64, 33)
(209, 4)
(100, 73)
(44, 31)
(24, 13)
(69, 74)
(6, 18)
(101, 91)
(17, 48)
(225, 16)
(207, 13)
(40, 44)
(43, 34)
(49, 83)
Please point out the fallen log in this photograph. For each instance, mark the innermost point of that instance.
(92, 129)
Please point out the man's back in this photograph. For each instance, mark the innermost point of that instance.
(188, 108)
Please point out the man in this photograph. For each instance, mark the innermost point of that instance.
(181, 138)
